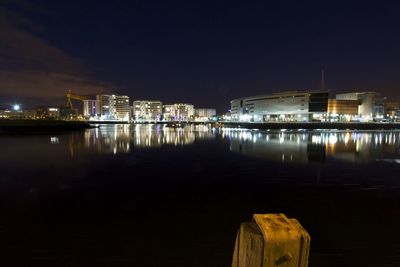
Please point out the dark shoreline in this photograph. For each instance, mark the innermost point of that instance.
(35, 126)
(313, 126)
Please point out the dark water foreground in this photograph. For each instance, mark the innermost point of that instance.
(154, 196)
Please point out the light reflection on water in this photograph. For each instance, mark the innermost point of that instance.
(284, 146)
(123, 138)
(316, 146)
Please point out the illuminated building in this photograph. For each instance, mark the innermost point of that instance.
(167, 112)
(10, 114)
(15, 111)
(286, 106)
(104, 106)
(342, 110)
(89, 108)
(371, 104)
(44, 112)
(121, 107)
(178, 112)
(392, 110)
(29, 114)
(204, 114)
(112, 107)
(145, 110)
(183, 112)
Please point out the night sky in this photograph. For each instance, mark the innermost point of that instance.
(202, 52)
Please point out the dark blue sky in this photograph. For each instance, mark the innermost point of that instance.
(204, 52)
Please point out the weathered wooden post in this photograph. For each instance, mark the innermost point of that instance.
(271, 240)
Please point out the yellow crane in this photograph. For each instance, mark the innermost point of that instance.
(71, 96)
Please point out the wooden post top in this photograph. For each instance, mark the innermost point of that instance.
(271, 240)
(286, 242)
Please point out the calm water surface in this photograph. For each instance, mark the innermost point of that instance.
(146, 195)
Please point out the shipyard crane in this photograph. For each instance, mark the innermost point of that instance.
(71, 96)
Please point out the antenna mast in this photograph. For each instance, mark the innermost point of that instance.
(323, 88)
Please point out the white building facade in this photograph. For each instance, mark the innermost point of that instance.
(112, 107)
(147, 111)
(89, 108)
(204, 114)
(121, 107)
(178, 112)
(301, 106)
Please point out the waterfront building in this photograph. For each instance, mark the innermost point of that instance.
(112, 107)
(281, 107)
(147, 110)
(392, 109)
(89, 108)
(121, 107)
(11, 114)
(204, 114)
(167, 112)
(16, 112)
(184, 112)
(104, 106)
(45, 112)
(178, 112)
(342, 110)
(29, 114)
(371, 104)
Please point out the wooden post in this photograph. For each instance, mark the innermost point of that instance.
(271, 240)
(249, 246)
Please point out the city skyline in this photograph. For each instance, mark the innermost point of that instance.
(199, 133)
(205, 54)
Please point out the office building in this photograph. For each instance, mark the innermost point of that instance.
(89, 108)
(146, 110)
(167, 112)
(279, 107)
(112, 107)
(48, 113)
(204, 114)
(178, 112)
(121, 107)
(104, 106)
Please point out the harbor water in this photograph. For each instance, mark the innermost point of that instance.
(150, 195)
